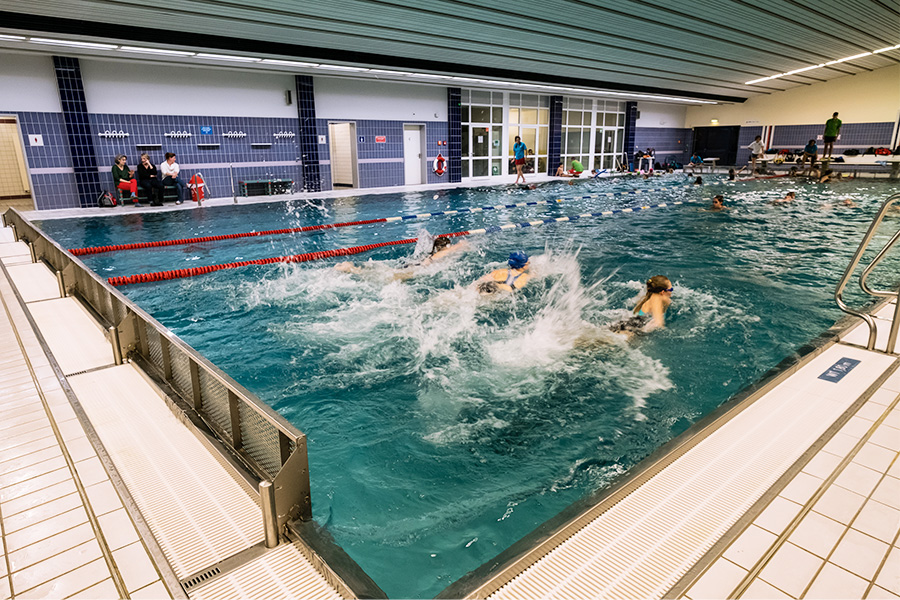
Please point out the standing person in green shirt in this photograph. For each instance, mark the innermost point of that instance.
(832, 131)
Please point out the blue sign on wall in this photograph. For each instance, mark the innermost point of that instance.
(206, 130)
(362, 139)
(837, 371)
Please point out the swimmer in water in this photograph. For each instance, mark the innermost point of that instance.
(506, 280)
(718, 203)
(650, 312)
(698, 181)
(440, 249)
(788, 198)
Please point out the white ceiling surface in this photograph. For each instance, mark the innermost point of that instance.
(701, 46)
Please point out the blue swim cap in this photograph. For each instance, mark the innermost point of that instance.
(517, 260)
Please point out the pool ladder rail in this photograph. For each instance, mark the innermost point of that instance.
(851, 268)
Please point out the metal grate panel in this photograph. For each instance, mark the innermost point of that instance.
(181, 372)
(215, 401)
(154, 345)
(260, 440)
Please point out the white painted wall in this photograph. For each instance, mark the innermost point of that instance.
(28, 83)
(338, 98)
(144, 88)
(661, 115)
(872, 97)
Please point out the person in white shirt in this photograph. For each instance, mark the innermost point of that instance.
(169, 170)
(757, 150)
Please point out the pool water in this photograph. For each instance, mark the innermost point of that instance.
(442, 426)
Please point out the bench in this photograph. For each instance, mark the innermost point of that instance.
(862, 160)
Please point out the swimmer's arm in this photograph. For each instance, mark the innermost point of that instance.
(657, 315)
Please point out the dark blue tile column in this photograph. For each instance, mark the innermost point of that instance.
(630, 129)
(75, 116)
(554, 149)
(309, 140)
(454, 134)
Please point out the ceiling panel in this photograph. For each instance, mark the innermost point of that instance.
(700, 48)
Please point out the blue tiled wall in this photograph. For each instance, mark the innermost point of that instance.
(554, 149)
(434, 133)
(630, 127)
(667, 141)
(308, 134)
(853, 135)
(75, 115)
(454, 134)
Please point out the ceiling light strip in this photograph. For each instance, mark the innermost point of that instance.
(820, 65)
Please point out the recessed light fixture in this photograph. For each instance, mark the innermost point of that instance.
(714, 121)
(160, 51)
(73, 44)
(230, 57)
(820, 65)
(14, 38)
(288, 63)
(342, 68)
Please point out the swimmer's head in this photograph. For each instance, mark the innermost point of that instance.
(517, 260)
(487, 287)
(658, 283)
(718, 200)
(698, 181)
(791, 195)
(439, 244)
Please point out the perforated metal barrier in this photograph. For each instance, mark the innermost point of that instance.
(272, 448)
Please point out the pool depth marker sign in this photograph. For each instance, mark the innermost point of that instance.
(838, 370)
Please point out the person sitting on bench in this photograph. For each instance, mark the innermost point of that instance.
(149, 181)
(122, 178)
(169, 170)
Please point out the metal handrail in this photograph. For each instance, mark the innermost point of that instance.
(271, 448)
(854, 262)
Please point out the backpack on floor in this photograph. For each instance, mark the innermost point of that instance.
(851, 152)
(882, 151)
(105, 200)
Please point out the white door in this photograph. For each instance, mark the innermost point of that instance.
(343, 154)
(14, 184)
(412, 154)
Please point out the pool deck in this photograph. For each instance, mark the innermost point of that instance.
(790, 491)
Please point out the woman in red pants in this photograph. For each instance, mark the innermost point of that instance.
(122, 177)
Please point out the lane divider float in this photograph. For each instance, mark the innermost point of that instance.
(308, 228)
(310, 256)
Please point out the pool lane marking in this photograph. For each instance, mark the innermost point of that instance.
(325, 226)
(310, 256)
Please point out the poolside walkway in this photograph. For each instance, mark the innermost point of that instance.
(104, 492)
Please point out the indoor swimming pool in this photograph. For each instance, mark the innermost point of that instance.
(444, 426)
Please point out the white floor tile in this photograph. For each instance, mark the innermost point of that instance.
(834, 583)
(839, 504)
(859, 553)
(760, 590)
(750, 546)
(858, 478)
(777, 515)
(817, 534)
(802, 487)
(718, 581)
(889, 577)
(878, 520)
(875, 457)
(791, 569)
(888, 492)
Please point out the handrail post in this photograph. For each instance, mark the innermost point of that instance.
(61, 282)
(895, 327)
(114, 339)
(32, 252)
(270, 515)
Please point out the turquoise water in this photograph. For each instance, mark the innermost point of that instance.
(443, 427)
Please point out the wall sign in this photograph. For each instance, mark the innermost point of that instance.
(362, 139)
(380, 139)
(323, 139)
(837, 371)
(205, 130)
(36, 139)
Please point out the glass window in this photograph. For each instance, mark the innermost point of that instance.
(621, 120)
(515, 99)
(464, 96)
(542, 165)
(544, 116)
(464, 113)
(497, 115)
(610, 120)
(513, 115)
(481, 114)
(465, 140)
(585, 141)
(495, 140)
(573, 141)
(542, 140)
(620, 141)
(574, 118)
(513, 132)
(529, 100)
(480, 168)
(497, 98)
(529, 116)
(545, 101)
(495, 167)
(479, 97)
(465, 168)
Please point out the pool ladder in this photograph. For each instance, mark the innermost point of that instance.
(870, 321)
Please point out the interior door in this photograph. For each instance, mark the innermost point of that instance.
(14, 183)
(412, 154)
(343, 154)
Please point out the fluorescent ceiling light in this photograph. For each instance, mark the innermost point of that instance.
(73, 44)
(227, 57)
(16, 38)
(161, 51)
(827, 64)
(342, 68)
(288, 63)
